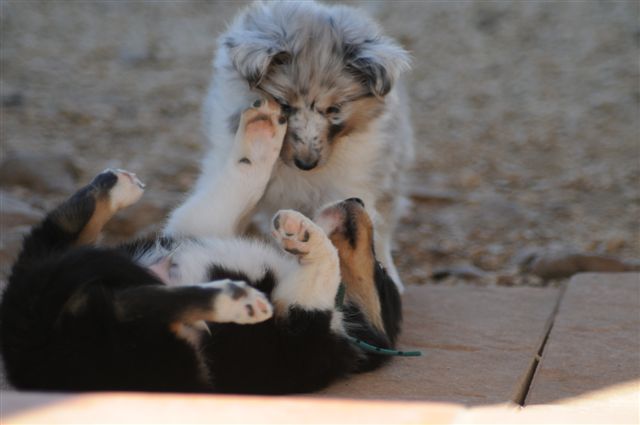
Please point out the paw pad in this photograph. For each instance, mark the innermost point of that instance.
(240, 303)
(294, 232)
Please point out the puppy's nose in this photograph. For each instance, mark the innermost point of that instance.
(358, 200)
(308, 164)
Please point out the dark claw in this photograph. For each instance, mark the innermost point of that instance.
(250, 310)
(237, 291)
(306, 236)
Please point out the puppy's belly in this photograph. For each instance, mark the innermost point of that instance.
(195, 258)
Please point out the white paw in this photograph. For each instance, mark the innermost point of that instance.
(297, 234)
(238, 302)
(260, 134)
(126, 191)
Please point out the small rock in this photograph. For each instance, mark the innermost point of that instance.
(426, 195)
(614, 244)
(40, 173)
(563, 265)
(465, 271)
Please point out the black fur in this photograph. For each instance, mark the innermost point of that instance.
(279, 356)
(58, 319)
(87, 318)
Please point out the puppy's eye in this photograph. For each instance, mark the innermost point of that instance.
(286, 109)
(333, 110)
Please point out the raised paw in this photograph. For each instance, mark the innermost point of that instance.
(127, 190)
(260, 133)
(238, 302)
(297, 234)
(121, 187)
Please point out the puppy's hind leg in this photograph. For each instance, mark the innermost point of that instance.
(80, 218)
(314, 284)
(109, 192)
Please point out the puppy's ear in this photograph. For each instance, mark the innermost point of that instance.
(378, 63)
(253, 56)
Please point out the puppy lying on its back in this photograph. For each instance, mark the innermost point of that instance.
(335, 75)
(181, 313)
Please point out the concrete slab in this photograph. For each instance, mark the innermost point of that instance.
(478, 344)
(595, 339)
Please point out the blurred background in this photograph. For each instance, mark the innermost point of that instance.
(525, 113)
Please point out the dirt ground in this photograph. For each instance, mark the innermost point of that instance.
(525, 115)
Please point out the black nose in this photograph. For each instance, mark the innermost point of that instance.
(305, 165)
(358, 200)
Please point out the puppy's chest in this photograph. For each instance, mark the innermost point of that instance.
(308, 191)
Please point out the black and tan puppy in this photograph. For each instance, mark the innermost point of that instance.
(78, 317)
(186, 312)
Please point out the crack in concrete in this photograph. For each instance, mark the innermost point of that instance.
(526, 383)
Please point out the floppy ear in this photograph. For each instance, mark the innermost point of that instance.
(378, 63)
(253, 56)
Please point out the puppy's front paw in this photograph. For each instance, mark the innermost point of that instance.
(298, 235)
(121, 187)
(260, 134)
(238, 302)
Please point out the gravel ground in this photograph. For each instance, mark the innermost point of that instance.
(526, 119)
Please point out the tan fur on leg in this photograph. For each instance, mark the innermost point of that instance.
(101, 215)
(127, 191)
(356, 253)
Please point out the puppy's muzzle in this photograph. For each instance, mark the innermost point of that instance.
(306, 163)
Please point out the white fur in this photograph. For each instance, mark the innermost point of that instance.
(315, 283)
(211, 215)
(233, 186)
(127, 191)
(229, 308)
(369, 164)
(194, 257)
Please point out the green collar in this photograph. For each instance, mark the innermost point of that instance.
(368, 347)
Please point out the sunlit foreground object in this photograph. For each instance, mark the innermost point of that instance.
(615, 405)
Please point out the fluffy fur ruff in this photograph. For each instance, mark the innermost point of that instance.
(336, 76)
